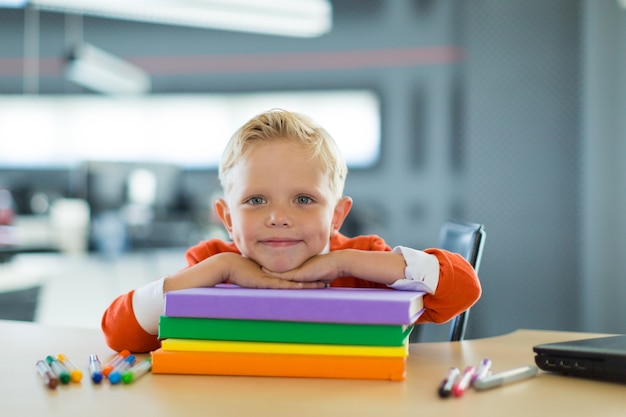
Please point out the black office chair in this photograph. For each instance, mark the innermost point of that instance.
(468, 240)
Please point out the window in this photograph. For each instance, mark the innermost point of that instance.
(187, 130)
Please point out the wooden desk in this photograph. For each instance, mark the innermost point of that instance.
(22, 392)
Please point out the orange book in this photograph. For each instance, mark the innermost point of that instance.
(283, 365)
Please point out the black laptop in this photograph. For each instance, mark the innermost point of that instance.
(596, 358)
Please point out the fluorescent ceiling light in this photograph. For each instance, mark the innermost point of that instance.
(102, 72)
(300, 18)
(53, 129)
(13, 3)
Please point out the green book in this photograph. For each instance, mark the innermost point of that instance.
(283, 331)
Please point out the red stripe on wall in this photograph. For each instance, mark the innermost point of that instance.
(253, 63)
(316, 61)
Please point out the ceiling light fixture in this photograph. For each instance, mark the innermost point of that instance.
(298, 18)
(102, 72)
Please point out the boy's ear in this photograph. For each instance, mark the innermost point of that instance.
(339, 215)
(223, 212)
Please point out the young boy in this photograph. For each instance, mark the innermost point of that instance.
(283, 178)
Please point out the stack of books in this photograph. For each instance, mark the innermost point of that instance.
(326, 333)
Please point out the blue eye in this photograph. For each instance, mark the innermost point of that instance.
(256, 200)
(303, 199)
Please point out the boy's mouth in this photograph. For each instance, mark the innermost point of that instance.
(280, 242)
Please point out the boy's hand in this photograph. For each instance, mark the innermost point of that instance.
(234, 268)
(246, 273)
(323, 268)
(383, 267)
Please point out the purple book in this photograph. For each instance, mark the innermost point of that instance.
(329, 305)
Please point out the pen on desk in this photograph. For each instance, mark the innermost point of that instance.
(483, 370)
(115, 377)
(505, 377)
(59, 370)
(137, 371)
(46, 373)
(461, 385)
(95, 369)
(445, 389)
(117, 359)
(75, 373)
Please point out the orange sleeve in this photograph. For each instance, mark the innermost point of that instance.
(458, 288)
(119, 324)
(121, 329)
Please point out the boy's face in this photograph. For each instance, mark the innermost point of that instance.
(280, 210)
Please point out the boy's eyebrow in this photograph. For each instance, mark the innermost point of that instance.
(315, 192)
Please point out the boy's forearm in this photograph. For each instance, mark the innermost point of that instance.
(207, 273)
(381, 267)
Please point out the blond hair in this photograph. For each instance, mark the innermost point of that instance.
(298, 128)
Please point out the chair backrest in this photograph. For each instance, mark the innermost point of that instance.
(468, 240)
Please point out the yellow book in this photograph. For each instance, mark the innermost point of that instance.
(195, 345)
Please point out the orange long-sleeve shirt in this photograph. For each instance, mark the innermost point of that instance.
(457, 290)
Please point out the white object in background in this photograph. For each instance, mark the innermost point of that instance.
(69, 219)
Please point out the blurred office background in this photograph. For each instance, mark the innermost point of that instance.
(505, 113)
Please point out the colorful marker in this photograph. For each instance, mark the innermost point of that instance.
(505, 377)
(46, 373)
(116, 374)
(59, 370)
(75, 373)
(95, 369)
(459, 388)
(137, 371)
(483, 370)
(117, 359)
(445, 389)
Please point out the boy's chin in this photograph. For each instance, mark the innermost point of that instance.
(278, 270)
(280, 267)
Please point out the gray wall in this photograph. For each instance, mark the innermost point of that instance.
(603, 238)
(499, 129)
(523, 129)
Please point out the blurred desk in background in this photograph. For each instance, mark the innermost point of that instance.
(76, 288)
(19, 292)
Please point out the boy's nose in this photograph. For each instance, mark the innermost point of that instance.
(279, 217)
